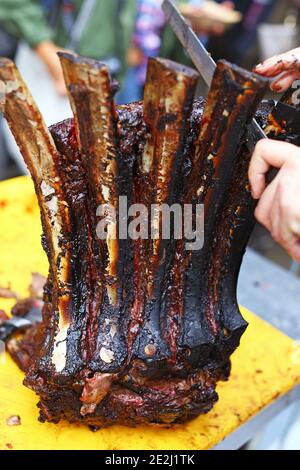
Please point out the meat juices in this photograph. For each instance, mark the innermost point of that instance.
(137, 331)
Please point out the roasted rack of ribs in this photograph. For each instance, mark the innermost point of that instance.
(140, 330)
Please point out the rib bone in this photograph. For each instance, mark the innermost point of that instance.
(168, 99)
(89, 81)
(232, 99)
(41, 157)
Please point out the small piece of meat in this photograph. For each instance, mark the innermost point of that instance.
(94, 391)
(24, 349)
(13, 420)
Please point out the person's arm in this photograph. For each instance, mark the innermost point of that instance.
(47, 51)
(279, 202)
(286, 67)
(25, 19)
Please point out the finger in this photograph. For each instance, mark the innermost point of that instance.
(290, 213)
(288, 195)
(285, 81)
(276, 222)
(289, 61)
(281, 63)
(272, 69)
(295, 224)
(263, 211)
(277, 219)
(294, 250)
(268, 153)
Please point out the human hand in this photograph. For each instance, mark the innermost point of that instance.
(47, 51)
(285, 66)
(279, 203)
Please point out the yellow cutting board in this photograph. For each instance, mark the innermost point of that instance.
(266, 366)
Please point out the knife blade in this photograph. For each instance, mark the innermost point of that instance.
(203, 61)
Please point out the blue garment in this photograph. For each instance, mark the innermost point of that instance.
(132, 89)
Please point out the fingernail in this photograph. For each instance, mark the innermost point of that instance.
(260, 66)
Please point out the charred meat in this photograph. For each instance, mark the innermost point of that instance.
(136, 330)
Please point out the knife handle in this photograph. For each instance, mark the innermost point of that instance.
(6, 330)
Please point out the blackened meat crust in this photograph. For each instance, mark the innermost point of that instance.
(139, 331)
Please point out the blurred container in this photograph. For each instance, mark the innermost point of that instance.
(276, 38)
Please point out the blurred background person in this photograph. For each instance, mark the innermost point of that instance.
(145, 42)
(8, 47)
(97, 29)
(152, 38)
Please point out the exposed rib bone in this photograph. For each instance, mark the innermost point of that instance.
(97, 133)
(40, 155)
(91, 95)
(168, 99)
(235, 226)
(232, 100)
